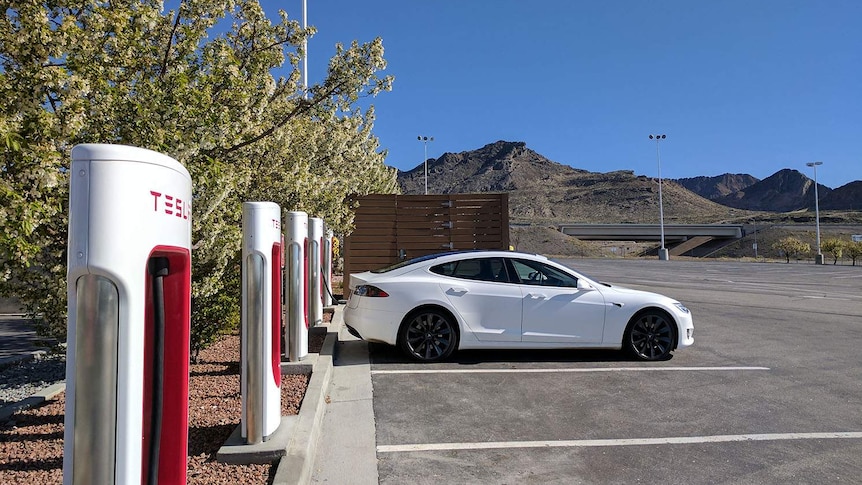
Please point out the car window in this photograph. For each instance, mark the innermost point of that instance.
(482, 269)
(445, 269)
(541, 274)
(408, 262)
(420, 259)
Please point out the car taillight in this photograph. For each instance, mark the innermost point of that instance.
(371, 291)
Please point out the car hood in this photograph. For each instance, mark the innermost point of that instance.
(628, 293)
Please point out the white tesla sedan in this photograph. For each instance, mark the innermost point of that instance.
(432, 305)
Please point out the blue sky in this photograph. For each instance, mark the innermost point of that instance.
(751, 86)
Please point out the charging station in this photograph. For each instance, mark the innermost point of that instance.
(129, 300)
(327, 267)
(296, 276)
(260, 380)
(315, 283)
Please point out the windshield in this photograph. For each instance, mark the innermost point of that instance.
(582, 273)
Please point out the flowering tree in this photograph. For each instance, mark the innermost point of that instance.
(791, 247)
(834, 247)
(196, 83)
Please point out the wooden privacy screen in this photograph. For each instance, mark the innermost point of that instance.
(389, 228)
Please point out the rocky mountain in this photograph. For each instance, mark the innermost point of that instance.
(496, 167)
(543, 190)
(784, 191)
(846, 197)
(718, 186)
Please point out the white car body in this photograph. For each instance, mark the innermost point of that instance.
(509, 311)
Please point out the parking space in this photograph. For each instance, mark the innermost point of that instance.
(769, 393)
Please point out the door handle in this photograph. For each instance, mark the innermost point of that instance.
(457, 289)
(537, 296)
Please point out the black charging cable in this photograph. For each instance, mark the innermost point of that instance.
(158, 268)
(326, 285)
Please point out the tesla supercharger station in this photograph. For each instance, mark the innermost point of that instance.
(327, 268)
(296, 275)
(129, 292)
(315, 282)
(261, 320)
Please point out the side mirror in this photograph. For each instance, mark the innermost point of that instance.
(584, 285)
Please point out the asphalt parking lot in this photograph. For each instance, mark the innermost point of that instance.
(771, 392)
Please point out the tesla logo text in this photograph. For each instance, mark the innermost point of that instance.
(171, 205)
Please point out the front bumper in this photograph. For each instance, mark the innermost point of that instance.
(686, 330)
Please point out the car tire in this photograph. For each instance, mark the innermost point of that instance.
(651, 335)
(428, 335)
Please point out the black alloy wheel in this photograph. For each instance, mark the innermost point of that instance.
(651, 336)
(428, 336)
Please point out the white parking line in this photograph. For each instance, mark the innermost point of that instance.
(554, 371)
(496, 445)
(813, 297)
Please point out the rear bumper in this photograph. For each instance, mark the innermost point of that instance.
(371, 324)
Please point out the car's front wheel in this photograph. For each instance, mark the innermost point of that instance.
(428, 335)
(651, 335)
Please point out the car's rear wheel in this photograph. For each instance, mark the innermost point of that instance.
(428, 335)
(651, 335)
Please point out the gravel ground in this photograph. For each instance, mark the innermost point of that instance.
(31, 442)
(23, 379)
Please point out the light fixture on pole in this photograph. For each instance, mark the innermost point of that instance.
(425, 140)
(662, 252)
(819, 258)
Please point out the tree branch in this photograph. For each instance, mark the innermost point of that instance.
(302, 106)
(164, 67)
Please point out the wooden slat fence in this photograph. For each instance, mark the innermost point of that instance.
(389, 228)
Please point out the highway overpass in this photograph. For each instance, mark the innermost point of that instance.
(650, 232)
(679, 238)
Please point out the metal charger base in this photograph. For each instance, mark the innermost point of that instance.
(296, 438)
(236, 452)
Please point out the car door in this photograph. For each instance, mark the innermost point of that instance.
(480, 291)
(555, 309)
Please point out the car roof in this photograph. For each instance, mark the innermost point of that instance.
(456, 255)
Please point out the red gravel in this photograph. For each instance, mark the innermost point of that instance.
(31, 446)
(31, 443)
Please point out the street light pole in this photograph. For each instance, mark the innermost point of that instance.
(755, 239)
(425, 140)
(662, 252)
(304, 51)
(819, 258)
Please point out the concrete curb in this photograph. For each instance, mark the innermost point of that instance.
(36, 399)
(347, 451)
(296, 465)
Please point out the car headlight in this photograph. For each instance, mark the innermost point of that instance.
(681, 307)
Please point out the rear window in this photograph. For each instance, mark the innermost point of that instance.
(408, 262)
